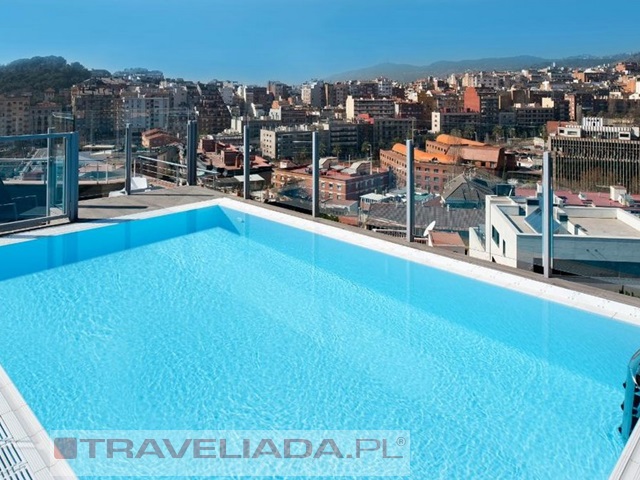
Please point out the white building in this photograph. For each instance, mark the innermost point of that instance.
(595, 241)
(145, 112)
(227, 92)
(312, 93)
(376, 107)
(385, 87)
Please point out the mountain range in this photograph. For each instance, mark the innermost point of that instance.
(409, 73)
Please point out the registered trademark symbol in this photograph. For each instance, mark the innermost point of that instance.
(401, 441)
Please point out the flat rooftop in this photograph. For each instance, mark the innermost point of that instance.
(592, 226)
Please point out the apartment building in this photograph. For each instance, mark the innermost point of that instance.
(288, 142)
(96, 104)
(596, 152)
(445, 122)
(432, 170)
(144, 111)
(41, 116)
(14, 114)
(213, 115)
(483, 101)
(312, 94)
(338, 181)
(374, 107)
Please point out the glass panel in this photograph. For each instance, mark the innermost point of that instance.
(32, 179)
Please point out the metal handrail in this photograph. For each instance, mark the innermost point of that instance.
(631, 403)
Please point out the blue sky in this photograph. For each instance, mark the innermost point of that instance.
(253, 41)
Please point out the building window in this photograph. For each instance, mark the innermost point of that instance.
(495, 235)
(331, 186)
(504, 248)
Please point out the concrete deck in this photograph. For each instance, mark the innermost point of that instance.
(111, 207)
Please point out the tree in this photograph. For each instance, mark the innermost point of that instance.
(366, 149)
(498, 132)
(469, 132)
(39, 73)
(337, 150)
(456, 132)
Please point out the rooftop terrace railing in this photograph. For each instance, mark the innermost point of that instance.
(39, 183)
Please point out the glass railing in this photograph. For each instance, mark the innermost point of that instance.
(36, 175)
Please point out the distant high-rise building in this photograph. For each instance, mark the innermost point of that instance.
(213, 115)
(312, 94)
(96, 106)
(374, 107)
(279, 90)
(385, 87)
(594, 153)
(14, 114)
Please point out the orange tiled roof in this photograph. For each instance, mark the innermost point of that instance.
(422, 156)
(451, 140)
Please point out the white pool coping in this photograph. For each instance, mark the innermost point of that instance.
(28, 437)
(628, 466)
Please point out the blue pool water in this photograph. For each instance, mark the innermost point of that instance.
(213, 319)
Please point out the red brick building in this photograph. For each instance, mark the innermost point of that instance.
(338, 181)
(432, 169)
(157, 138)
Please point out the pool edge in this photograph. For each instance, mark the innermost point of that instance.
(28, 436)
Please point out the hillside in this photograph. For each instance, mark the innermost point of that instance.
(409, 73)
(39, 73)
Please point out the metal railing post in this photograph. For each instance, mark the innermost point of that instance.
(315, 170)
(547, 215)
(73, 186)
(247, 164)
(411, 217)
(51, 173)
(192, 148)
(127, 164)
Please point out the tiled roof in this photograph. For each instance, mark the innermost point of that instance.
(422, 156)
(446, 239)
(394, 215)
(483, 154)
(452, 140)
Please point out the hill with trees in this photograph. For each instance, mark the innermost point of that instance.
(39, 73)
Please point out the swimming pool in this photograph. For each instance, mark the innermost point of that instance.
(217, 319)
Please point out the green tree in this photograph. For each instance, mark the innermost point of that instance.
(366, 148)
(469, 132)
(39, 73)
(498, 132)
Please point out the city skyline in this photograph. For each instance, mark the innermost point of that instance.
(252, 42)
